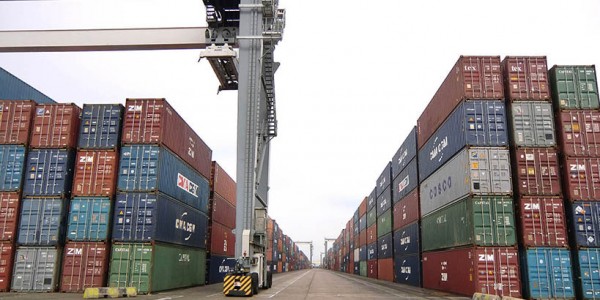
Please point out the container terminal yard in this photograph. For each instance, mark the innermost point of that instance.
(490, 191)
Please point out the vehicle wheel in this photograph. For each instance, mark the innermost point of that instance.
(254, 277)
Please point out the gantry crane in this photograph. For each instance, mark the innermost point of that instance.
(328, 240)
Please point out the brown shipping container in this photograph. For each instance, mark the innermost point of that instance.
(526, 78)
(154, 121)
(372, 234)
(269, 255)
(385, 269)
(279, 267)
(537, 171)
(96, 173)
(362, 208)
(7, 255)
(15, 121)
(363, 238)
(581, 178)
(222, 240)
(85, 264)
(465, 271)
(472, 77)
(372, 270)
(542, 221)
(9, 215)
(224, 212)
(357, 241)
(222, 184)
(579, 132)
(55, 126)
(406, 211)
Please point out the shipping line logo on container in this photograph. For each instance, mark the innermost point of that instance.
(403, 184)
(440, 188)
(134, 108)
(187, 185)
(186, 226)
(403, 156)
(437, 149)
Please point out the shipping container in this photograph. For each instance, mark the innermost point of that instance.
(384, 201)
(473, 171)
(356, 268)
(581, 178)
(356, 254)
(407, 240)
(219, 266)
(156, 267)
(144, 217)
(385, 179)
(407, 269)
(36, 269)
(15, 121)
(548, 273)
(100, 126)
(356, 229)
(89, 219)
(55, 126)
(49, 172)
(84, 265)
(222, 240)
(542, 221)
(355, 216)
(9, 216)
(477, 123)
(384, 223)
(149, 168)
(222, 184)
(12, 162)
(363, 253)
(372, 217)
(532, 124)
(464, 271)
(587, 264)
(385, 269)
(363, 238)
(7, 255)
(362, 208)
(154, 121)
(579, 132)
(372, 251)
(406, 181)
(585, 223)
(472, 77)
(385, 246)
(362, 223)
(372, 200)
(222, 211)
(372, 269)
(537, 171)
(574, 87)
(364, 269)
(42, 221)
(526, 78)
(95, 173)
(406, 210)
(405, 154)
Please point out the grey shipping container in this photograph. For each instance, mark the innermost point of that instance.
(13, 88)
(405, 154)
(43, 221)
(407, 240)
(532, 124)
(12, 164)
(406, 181)
(100, 126)
(385, 179)
(384, 201)
(49, 172)
(36, 269)
(478, 171)
(473, 123)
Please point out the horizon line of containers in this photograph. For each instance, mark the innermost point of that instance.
(496, 190)
(112, 195)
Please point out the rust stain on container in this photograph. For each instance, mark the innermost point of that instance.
(96, 173)
(15, 121)
(55, 126)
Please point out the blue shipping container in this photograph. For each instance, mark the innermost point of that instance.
(372, 251)
(100, 126)
(407, 241)
(89, 219)
(585, 222)
(219, 266)
(549, 273)
(384, 201)
(12, 164)
(385, 244)
(474, 123)
(362, 223)
(42, 222)
(588, 272)
(49, 172)
(406, 181)
(385, 179)
(363, 253)
(407, 269)
(13, 88)
(372, 200)
(149, 168)
(405, 154)
(144, 217)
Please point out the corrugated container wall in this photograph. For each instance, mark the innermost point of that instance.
(218, 267)
(542, 221)
(100, 126)
(223, 212)
(36, 269)
(7, 256)
(385, 179)
(587, 263)
(84, 265)
(13, 88)
(49, 172)
(222, 240)
(384, 201)
(407, 269)
(55, 126)
(9, 215)
(222, 184)
(89, 219)
(15, 121)
(537, 171)
(532, 124)
(405, 154)
(526, 78)
(406, 210)
(472, 77)
(574, 87)
(585, 224)
(579, 132)
(154, 121)
(12, 164)
(96, 173)
(406, 181)
(407, 240)
(581, 178)
(43, 221)
(372, 200)
(548, 273)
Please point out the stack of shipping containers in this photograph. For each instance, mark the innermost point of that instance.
(15, 125)
(46, 194)
(385, 260)
(160, 215)
(86, 253)
(577, 115)
(372, 234)
(360, 239)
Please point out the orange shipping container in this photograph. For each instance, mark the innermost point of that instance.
(95, 173)
(385, 269)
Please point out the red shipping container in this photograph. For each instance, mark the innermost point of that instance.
(542, 221)
(85, 264)
(55, 126)
(465, 271)
(224, 212)
(15, 121)
(362, 208)
(579, 132)
(526, 78)
(363, 238)
(154, 121)
(357, 241)
(406, 211)
(385, 269)
(222, 240)
(96, 173)
(372, 234)
(472, 77)
(350, 269)
(269, 255)
(9, 215)
(372, 270)
(222, 184)
(537, 171)
(7, 255)
(582, 178)
(279, 267)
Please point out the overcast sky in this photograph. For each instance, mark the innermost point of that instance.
(354, 78)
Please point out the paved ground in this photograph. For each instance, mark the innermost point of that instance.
(313, 284)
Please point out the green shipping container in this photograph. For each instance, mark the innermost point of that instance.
(473, 220)
(371, 217)
(384, 223)
(158, 267)
(574, 87)
(363, 269)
